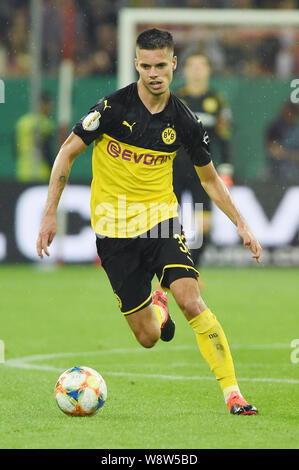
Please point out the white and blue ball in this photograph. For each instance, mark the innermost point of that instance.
(80, 391)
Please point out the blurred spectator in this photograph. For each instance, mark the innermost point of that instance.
(102, 59)
(295, 51)
(274, 4)
(237, 51)
(266, 53)
(285, 58)
(52, 35)
(5, 15)
(282, 141)
(35, 131)
(102, 11)
(18, 57)
(235, 54)
(55, 17)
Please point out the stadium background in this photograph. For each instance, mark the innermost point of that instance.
(254, 75)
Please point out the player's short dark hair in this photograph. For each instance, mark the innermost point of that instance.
(155, 39)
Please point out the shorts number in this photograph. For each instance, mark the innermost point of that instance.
(182, 243)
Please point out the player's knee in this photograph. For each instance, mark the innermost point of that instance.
(145, 327)
(147, 340)
(189, 306)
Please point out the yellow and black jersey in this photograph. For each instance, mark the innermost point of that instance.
(132, 160)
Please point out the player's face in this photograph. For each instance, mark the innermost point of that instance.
(197, 68)
(155, 68)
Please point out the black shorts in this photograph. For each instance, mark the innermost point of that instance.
(131, 263)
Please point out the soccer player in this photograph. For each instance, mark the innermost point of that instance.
(214, 113)
(136, 133)
(34, 135)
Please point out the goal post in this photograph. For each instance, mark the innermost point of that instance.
(130, 18)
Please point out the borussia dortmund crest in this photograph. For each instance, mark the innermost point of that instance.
(168, 135)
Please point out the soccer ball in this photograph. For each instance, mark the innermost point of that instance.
(80, 391)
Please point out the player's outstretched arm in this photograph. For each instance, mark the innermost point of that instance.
(219, 193)
(58, 179)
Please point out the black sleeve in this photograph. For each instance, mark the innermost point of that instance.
(96, 122)
(196, 142)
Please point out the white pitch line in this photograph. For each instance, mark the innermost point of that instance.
(261, 346)
(196, 377)
(26, 363)
(41, 357)
(45, 367)
(38, 357)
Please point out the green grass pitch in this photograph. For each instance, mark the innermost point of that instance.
(161, 398)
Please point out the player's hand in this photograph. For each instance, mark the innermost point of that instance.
(46, 234)
(250, 241)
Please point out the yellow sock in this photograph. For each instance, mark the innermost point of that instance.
(160, 314)
(214, 347)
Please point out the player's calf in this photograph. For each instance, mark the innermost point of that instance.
(145, 326)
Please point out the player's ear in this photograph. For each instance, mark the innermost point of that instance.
(136, 63)
(174, 62)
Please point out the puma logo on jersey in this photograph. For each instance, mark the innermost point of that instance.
(92, 121)
(130, 126)
(106, 105)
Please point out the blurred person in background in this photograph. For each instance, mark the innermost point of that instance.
(106, 41)
(284, 61)
(17, 61)
(213, 112)
(273, 4)
(235, 54)
(282, 141)
(57, 24)
(102, 11)
(34, 136)
(96, 54)
(103, 59)
(5, 14)
(52, 32)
